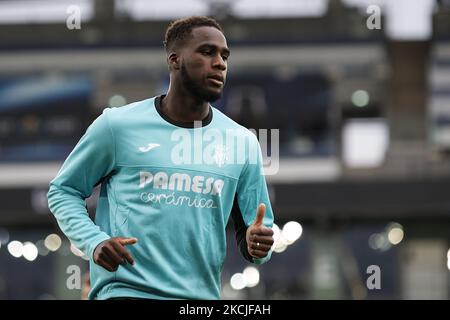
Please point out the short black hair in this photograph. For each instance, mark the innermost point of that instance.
(179, 30)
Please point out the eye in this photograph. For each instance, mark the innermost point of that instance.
(225, 57)
(206, 52)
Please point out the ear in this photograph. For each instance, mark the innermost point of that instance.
(173, 60)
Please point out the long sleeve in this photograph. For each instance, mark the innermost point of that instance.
(92, 159)
(240, 230)
(251, 191)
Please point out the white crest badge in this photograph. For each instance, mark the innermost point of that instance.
(220, 155)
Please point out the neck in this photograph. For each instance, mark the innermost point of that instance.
(181, 106)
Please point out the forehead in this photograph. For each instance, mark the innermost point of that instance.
(210, 35)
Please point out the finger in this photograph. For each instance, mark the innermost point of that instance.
(105, 257)
(260, 214)
(263, 231)
(261, 246)
(263, 240)
(257, 253)
(127, 241)
(105, 264)
(115, 256)
(124, 253)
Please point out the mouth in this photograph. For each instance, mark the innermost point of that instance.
(216, 79)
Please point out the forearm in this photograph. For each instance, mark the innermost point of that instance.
(68, 207)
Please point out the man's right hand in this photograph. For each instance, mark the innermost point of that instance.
(111, 253)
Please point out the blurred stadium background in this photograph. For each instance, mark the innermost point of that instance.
(359, 89)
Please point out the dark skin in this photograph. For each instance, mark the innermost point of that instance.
(259, 237)
(198, 69)
(201, 58)
(111, 253)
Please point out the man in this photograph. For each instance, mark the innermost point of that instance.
(160, 223)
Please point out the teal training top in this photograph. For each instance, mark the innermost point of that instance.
(172, 187)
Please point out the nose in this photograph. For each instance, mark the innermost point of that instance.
(219, 63)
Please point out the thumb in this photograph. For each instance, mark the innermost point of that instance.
(127, 241)
(260, 214)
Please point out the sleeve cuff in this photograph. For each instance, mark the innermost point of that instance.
(263, 260)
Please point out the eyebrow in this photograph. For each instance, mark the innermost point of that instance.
(213, 46)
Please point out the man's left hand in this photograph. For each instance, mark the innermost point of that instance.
(259, 237)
